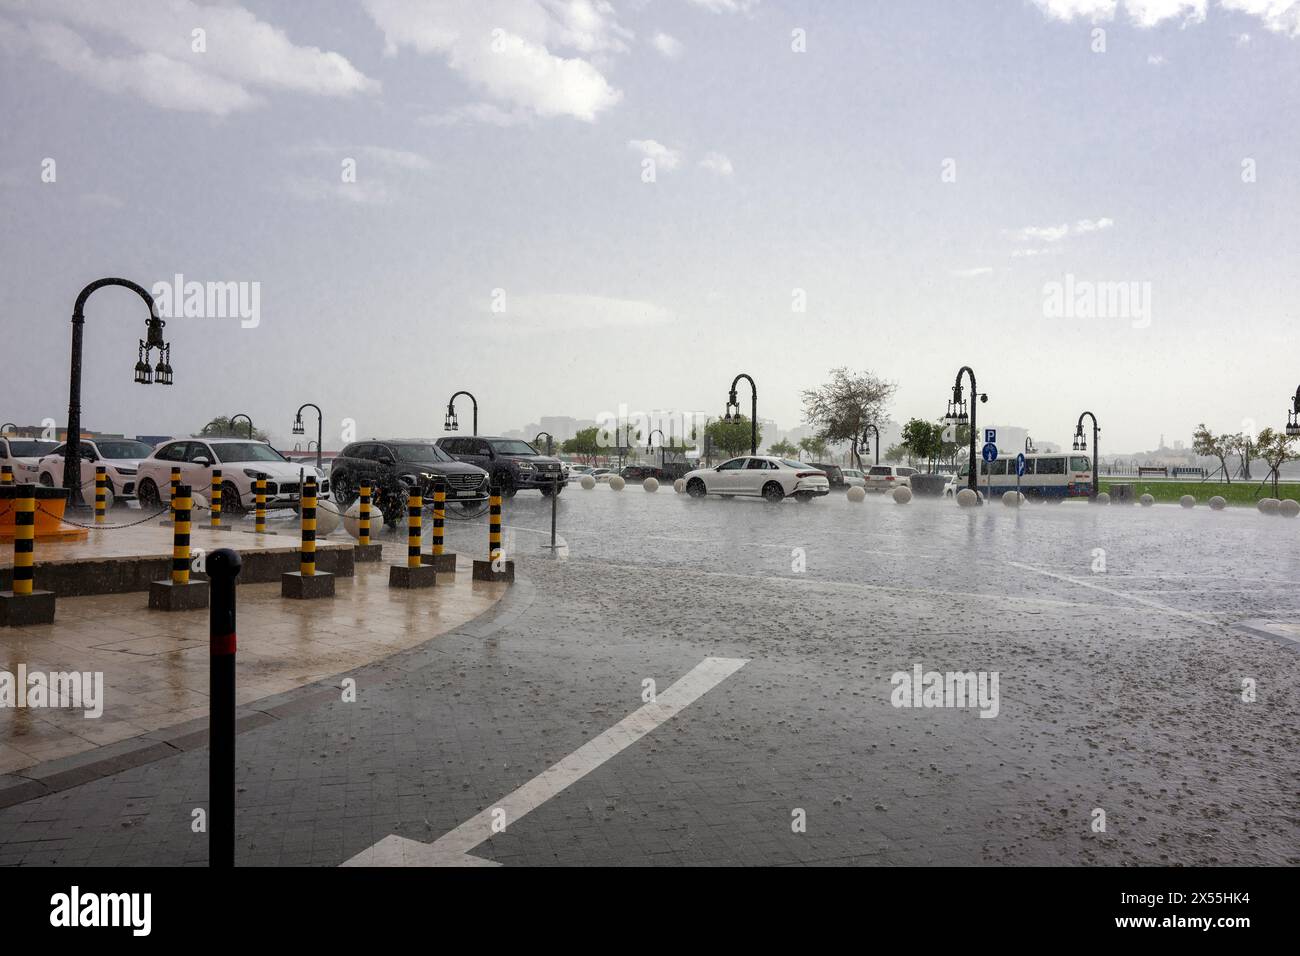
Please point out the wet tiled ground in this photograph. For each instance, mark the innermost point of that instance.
(1121, 690)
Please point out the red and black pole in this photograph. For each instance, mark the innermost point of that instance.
(223, 567)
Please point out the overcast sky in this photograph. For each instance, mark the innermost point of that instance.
(917, 173)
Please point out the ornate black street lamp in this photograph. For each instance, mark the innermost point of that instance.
(734, 403)
(232, 418)
(957, 415)
(550, 441)
(320, 424)
(8, 427)
(1081, 444)
(1293, 417)
(1029, 446)
(866, 445)
(450, 422)
(144, 375)
(650, 441)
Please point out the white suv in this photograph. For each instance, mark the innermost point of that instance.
(239, 459)
(888, 477)
(23, 455)
(120, 457)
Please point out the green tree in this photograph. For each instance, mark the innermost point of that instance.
(923, 441)
(220, 427)
(814, 447)
(842, 408)
(1276, 448)
(1205, 442)
(731, 438)
(895, 454)
(783, 449)
(584, 443)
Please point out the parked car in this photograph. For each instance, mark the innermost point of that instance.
(120, 457)
(771, 478)
(834, 474)
(642, 472)
(602, 475)
(395, 466)
(576, 470)
(884, 478)
(513, 464)
(23, 455)
(240, 460)
(853, 478)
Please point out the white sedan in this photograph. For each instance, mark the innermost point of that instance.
(120, 457)
(760, 476)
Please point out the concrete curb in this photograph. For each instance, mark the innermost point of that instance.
(65, 773)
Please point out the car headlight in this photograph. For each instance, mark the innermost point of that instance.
(126, 471)
(251, 472)
(525, 466)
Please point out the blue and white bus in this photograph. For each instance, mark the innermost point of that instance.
(1047, 475)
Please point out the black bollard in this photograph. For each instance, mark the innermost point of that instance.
(223, 567)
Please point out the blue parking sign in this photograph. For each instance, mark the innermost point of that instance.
(990, 452)
(1020, 464)
(990, 436)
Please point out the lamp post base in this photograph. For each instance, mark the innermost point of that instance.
(408, 578)
(168, 596)
(306, 587)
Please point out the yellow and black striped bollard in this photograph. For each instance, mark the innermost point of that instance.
(6, 475)
(175, 484)
(443, 562)
(215, 487)
(23, 604)
(259, 505)
(497, 567)
(415, 574)
(179, 593)
(365, 549)
(307, 582)
(101, 493)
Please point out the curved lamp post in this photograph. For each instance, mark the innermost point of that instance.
(320, 424)
(1081, 444)
(450, 423)
(650, 441)
(864, 443)
(1029, 445)
(957, 416)
(550, 440)
(732, 402)
(8, 427)
(232, 418)
(144, 375)
(1293, 416)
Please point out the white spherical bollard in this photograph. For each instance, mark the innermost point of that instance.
(902, 494)
(1268, 506)
(650, 484)
(328, 518)
(1146, 501)
(967, 498)
(352, 520)
(198, 504)
(616, 483)
(856, 495)
(1289, 508)
(588, 482)
(1187, 501)
(1218, 503)
(1103, 498)
(1012, 499)
(679, 486)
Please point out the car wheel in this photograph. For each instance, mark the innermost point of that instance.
(342, 490)
(695, 488)
(773, 492)
(47, 480)
(506, 484)
(147, 492)
(230, 500)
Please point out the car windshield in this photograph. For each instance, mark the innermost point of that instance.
(513, 447)
(794, 464)
(30, 449)
(124, 449)
(421, 453)
(246, 451)
(880, 470)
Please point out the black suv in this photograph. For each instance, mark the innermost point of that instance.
(395, 466)
(833, 474)
(513, 463)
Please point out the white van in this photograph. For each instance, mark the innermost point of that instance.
(1052, 476)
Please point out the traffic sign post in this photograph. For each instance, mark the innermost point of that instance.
(990, 455)
(1020, 470)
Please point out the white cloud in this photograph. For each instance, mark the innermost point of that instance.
(726, 6)
(1071, 9)
(1057, 233)
(1148, 13)
(669, 46)
(972, 273)
(1243, 39)
(661, 154)
(152, 56)
(504, 48)
(1279, 16)
(717, 163)
(1156, 59)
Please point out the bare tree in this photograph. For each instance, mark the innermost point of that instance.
(842, 408)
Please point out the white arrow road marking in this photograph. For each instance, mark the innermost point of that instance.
(452, 849)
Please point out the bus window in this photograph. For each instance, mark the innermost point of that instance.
(1051, 466)
(1029, 465)
(999, 467)
(1079, 463)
